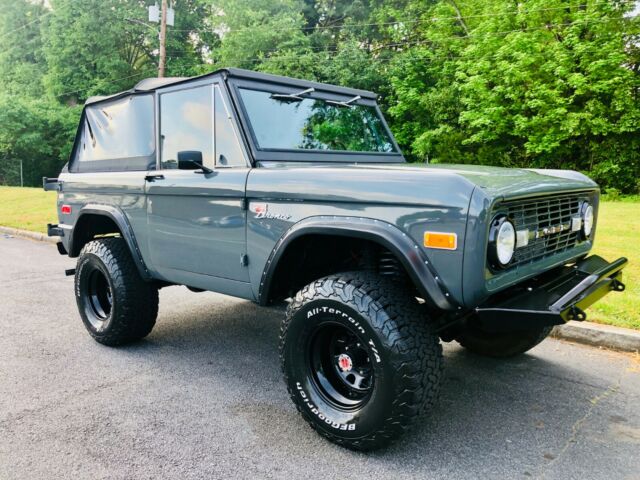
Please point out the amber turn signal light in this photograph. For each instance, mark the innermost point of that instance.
(444, 241)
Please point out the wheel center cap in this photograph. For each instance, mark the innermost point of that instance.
(344, 362)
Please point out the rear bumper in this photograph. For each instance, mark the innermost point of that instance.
(553, 298)
(54, 230)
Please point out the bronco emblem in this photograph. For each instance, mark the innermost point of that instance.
(262, 211)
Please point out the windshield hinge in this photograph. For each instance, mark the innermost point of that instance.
(346, 103)
(291, 97)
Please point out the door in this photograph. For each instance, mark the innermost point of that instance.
(196, 219)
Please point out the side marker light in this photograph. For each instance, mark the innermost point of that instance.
(439, 240)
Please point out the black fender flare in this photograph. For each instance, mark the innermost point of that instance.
(120, 219)
(391, 237)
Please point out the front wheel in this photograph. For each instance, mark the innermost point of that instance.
(359, 360)
(500, 344)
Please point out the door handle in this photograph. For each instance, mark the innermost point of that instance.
(153, 178)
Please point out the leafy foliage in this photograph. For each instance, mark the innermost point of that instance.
(54, 56)
(551, 83)
(544, 84)
(356, 129)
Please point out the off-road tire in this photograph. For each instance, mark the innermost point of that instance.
(500, 344)
(406, 357)
(134, 302)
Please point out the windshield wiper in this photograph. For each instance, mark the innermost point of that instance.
(346, 103)
(291, 97)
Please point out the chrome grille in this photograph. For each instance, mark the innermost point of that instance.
(546, 214)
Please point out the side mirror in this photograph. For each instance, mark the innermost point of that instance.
(189, 160)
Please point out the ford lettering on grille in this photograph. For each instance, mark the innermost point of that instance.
(553, 224)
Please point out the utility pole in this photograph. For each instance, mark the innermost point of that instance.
(163, 39)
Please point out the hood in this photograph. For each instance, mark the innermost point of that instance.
(405, 183)
(506, 182)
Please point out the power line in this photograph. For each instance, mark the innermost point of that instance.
(413, 21)
(407, 55)
(549, 26)
(527, 12)
(379, 47)
(412, 57)
(16, 45)
(27, 24)
(113, 82)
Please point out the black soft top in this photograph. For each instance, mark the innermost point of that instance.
(152, 84)
(116, 132)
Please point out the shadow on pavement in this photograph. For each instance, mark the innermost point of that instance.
(515, 407)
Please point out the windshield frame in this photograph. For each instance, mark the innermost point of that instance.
(309, 155)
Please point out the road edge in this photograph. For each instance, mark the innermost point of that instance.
(39, 237)
(598, 335)
(587, 333)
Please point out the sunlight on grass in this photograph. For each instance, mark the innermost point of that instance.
(618, 235)
(27, 208)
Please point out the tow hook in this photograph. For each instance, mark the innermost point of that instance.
(70, 272)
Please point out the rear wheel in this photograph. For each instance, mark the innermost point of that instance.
(359, 360)
(116, 305)
(500, 344)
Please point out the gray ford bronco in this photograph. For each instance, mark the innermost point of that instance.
(280, 190)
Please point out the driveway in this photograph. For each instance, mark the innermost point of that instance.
(202, 397)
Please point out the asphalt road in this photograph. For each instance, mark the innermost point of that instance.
(202, 397)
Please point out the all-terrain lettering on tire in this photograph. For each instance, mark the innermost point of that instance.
(359, 360)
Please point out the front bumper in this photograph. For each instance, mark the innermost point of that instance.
(553, 298)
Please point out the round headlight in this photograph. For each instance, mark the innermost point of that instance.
(502, 241)
(587, 219)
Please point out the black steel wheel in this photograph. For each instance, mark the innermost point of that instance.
(99, 299)
(116, 305)
(358, 359)
(340, 366)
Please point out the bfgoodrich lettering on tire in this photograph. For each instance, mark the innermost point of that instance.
(359, 361)
(115, 304)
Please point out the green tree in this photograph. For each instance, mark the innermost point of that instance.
(76, 49)
(21, 61)
(254, 31)
(104, 46)
(38, 133)
(533, 84)
(318, 40)
(93, 47)
(544, 84)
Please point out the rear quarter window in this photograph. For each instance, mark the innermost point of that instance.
(116, 135)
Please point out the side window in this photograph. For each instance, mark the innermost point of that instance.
(116, 135)
(228, 151)
(186, 126)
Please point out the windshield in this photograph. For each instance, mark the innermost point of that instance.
(314, 124)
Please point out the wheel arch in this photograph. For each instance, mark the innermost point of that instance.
(96, 219)
(384, 234)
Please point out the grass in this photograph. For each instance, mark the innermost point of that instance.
(618, 234)
(607, 197)
(27, 208)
